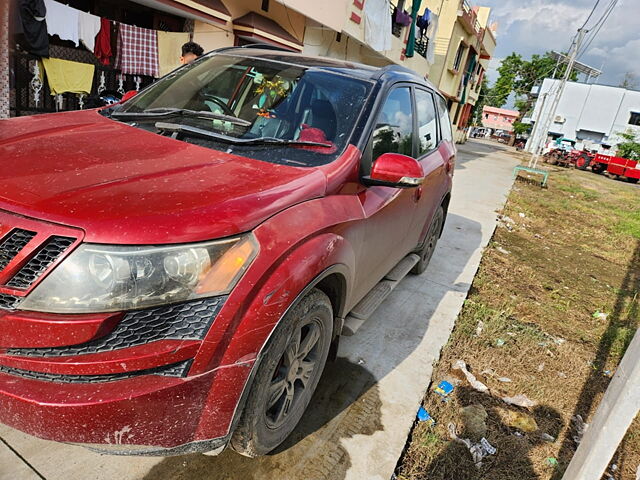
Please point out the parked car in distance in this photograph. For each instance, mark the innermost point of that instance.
(176, 269)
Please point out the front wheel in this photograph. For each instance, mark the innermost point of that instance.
(287, 376)
(430, 242)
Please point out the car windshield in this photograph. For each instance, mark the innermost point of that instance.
(267, 110)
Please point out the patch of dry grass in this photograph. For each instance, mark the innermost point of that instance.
(573, 249)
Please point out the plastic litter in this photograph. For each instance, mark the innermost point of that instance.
(444, 389)
(552, 461)
(547, 438)
(608, 373)
(423, 416)
(473, 381)
(474, 418)
(580, 427)
(479, 328)
(500, 342)
(541, 367)
(521, 421)
(520, 400)
(504, 379)
(503, 251)
(600, 315)
(478, 450)
(521, 215)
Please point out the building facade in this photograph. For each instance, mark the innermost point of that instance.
(451, 43)
(590, 115)
(499, 118)
(464, 46)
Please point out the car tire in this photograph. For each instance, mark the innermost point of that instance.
(430, 242)
(285, 379)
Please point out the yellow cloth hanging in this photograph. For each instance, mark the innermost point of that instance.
(66, 76)
(170, 50)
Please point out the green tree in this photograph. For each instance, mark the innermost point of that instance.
(519, 76)
(483, 99)
(519, 128)
(504, 85)
(630, 148)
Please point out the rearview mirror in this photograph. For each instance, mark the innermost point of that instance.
(395, 170)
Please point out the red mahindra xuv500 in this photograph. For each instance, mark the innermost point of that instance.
(175, 270)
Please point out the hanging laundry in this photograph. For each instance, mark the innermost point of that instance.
(88, 28)
(377, 27)
(431, 33)
(422, 23)
(62, 21)
(137, 51)
(169, 49)
(102, 49)
(411, 41)
(34, 27)
(66, 76)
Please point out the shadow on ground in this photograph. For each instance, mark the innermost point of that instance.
(347, 401)
(511, 461)
(622, 320)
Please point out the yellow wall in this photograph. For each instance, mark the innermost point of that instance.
(331, 13)
(212, 36)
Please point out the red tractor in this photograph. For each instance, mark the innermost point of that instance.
(623, 168)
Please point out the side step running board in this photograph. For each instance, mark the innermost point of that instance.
(365, 307)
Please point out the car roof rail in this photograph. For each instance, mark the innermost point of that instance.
(262, 46)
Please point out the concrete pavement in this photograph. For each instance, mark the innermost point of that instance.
(360, 417)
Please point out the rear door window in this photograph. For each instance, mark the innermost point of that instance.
(393, 132)
(427, 122)
(445, 122)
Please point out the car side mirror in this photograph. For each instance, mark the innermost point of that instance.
(395, 170)
(128, 95)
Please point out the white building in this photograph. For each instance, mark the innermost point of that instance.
(589, 114)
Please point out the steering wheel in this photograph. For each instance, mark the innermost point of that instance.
(221, 104)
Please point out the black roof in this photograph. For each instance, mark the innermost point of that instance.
(359, 70)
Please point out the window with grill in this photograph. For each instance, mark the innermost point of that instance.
(459, 55)
(634, 118)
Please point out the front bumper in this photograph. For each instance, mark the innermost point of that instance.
(127, 391)
(145, 415)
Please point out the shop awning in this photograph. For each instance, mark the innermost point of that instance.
(255, 27)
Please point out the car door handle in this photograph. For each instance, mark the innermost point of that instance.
(417, 194)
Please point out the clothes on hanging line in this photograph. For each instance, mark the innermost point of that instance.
(88, 28)
(169, 47)
(34, 26)
(62, 21)
(102, 49)
(377, 27)
(137, 52)
(66, 76)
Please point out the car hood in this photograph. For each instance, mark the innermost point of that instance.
(121, 184)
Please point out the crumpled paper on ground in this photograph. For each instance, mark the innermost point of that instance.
(471, 378)
(478, 450)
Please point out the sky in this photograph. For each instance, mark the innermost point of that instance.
(536, 26)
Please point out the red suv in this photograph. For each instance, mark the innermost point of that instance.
(175, 270)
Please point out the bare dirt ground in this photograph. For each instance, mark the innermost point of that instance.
(550, 314)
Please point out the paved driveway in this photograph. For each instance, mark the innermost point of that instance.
(359, 420)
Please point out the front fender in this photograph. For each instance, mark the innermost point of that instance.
(297, 248)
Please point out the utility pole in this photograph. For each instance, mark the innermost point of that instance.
(536, 125)
(542, 136)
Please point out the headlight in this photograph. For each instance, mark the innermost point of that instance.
(103, 278)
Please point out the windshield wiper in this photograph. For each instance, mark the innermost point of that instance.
(199, 132)
(152, 113)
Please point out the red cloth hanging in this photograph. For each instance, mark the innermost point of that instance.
(102, 49)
